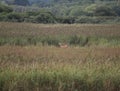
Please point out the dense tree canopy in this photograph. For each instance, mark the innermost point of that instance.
(60, 11)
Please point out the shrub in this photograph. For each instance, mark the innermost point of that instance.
(2, 41)
(68, 20)
(90, 9)
(2, 16)
(116, 9)
(97, 19)
(104, 11)
(45, 18)
(15, 17)
(32, 41)
(32, 13)
(50, 41)
(77, 11)
(6, 9)
(86, 19)
(76, 40)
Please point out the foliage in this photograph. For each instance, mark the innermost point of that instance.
(88, 20)
(117, 10)
(14, 17)
(92, 13)
(68, 20)
(104, 11)
(6, 9)
(45, 18)
(76, 40)
(50, 41)
(77, 11)
(90, 9)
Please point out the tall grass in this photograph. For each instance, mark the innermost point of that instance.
(47, 68)
(30, 62)
(60, 80)
(40, 34)
(73, 40)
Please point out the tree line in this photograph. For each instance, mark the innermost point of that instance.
(92, 13)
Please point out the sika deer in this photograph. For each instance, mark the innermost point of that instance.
(63, 45)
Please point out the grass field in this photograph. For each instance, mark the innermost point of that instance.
(26, 65)
(76, 34)
(30, 29)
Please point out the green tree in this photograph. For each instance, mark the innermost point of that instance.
(117, 10)
(77, 11)
(90, 9)
(6, 9)
(45, 17)
(15, 17)
(104, 11)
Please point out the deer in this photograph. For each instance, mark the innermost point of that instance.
(63, 45)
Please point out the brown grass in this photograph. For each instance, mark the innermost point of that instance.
(38, 68)
(49, 68)
(22, 56)
(29, 29)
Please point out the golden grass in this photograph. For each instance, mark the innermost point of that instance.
(29, 29)
(49, 68)
(38, 55)
(38, 68)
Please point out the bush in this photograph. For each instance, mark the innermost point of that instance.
(45, 18)
(76, 40)
(104, 11)
(40, 17)
(32, 13)
(50, 41)
(6, 9)
(86, 19)
(68, 20)
(97, 19)
(77, 11)
(2, 41)
(15, 17)
(117, 10)
(2, 16)
(90, 9)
